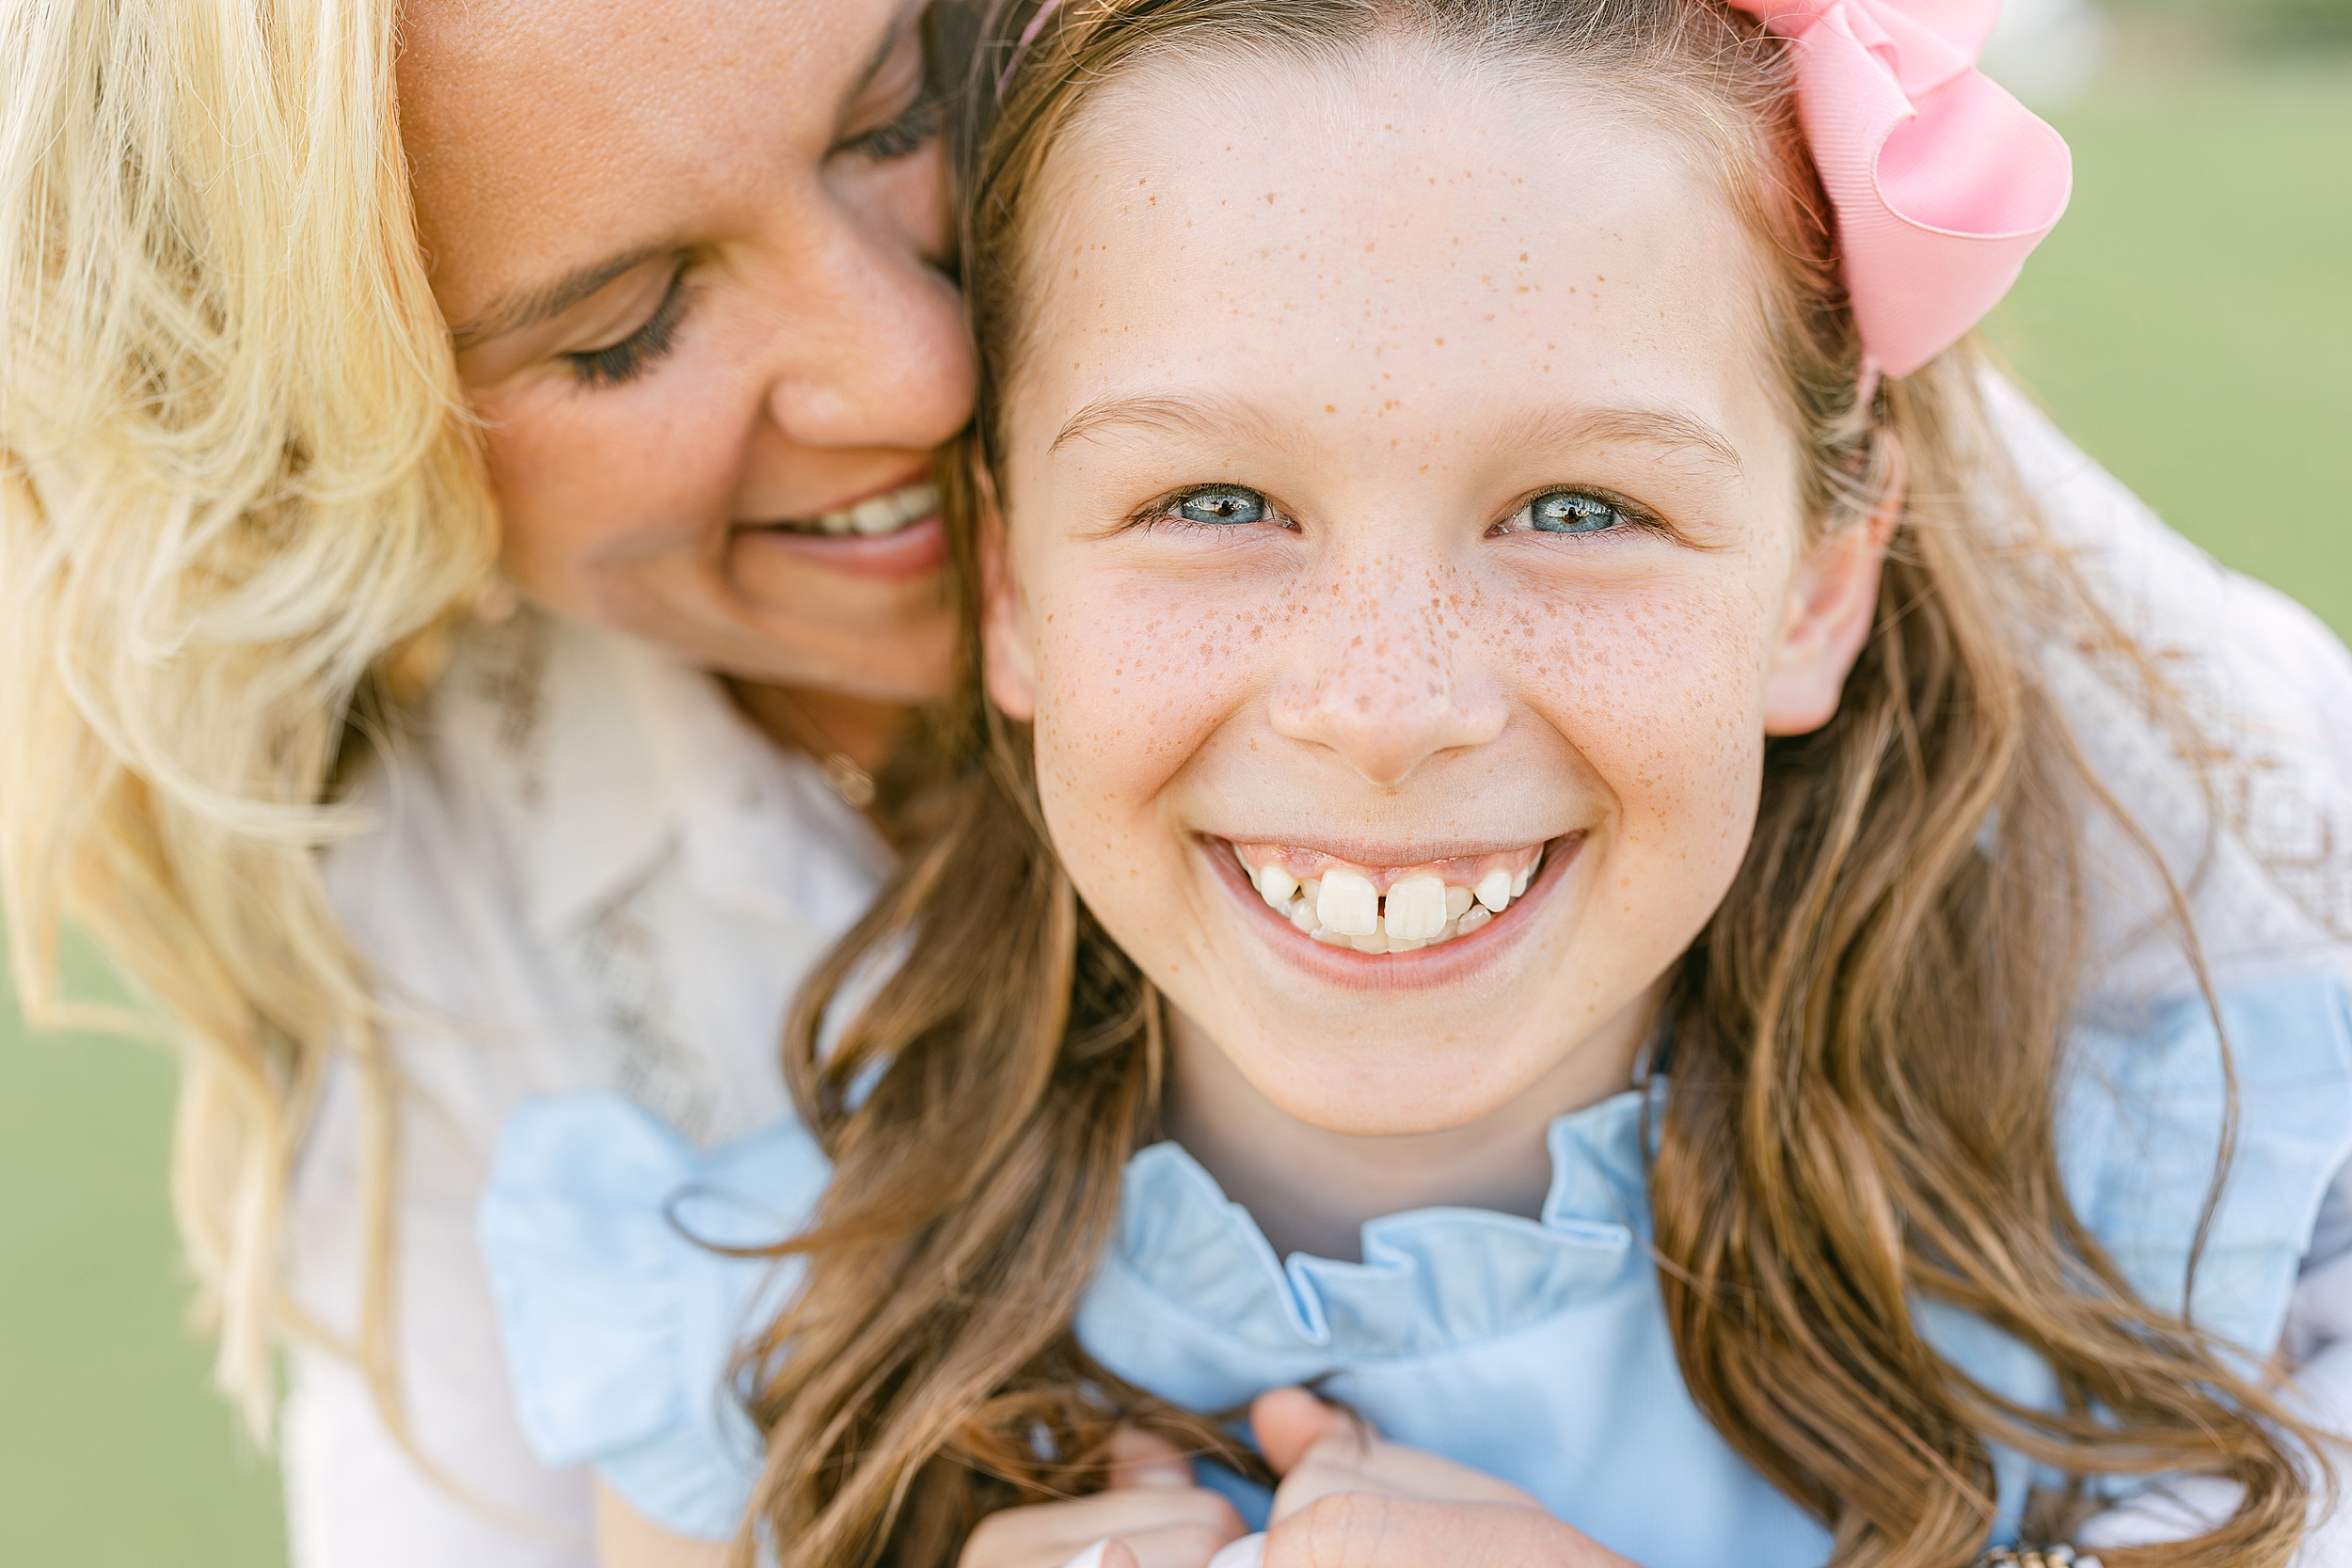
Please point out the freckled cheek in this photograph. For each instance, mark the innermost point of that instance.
(1131, 683)
(1663, 699)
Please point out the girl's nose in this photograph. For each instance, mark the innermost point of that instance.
(1388, 677)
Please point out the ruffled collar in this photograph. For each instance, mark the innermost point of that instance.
(1431, 1279)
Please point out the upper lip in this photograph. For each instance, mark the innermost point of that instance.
(915, 476)
(1369, 852)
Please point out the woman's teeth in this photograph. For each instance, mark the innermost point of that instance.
(1421, 908)
(876, 514)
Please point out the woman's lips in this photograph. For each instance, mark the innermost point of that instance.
(919, 550)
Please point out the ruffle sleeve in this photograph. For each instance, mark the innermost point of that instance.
(2146, 1125)
(620, 1311)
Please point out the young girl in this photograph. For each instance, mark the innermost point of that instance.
(1528, 875)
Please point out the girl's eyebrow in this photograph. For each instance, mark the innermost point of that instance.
(1204, 417)
(1669, 431)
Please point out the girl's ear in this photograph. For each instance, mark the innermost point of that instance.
(1007, 664)
(1829, 614)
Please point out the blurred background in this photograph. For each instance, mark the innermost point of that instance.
(2190, 323)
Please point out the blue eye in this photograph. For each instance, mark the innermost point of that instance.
(1223, 506)
(1566, 512)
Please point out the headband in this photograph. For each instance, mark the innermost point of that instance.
(1942, 184)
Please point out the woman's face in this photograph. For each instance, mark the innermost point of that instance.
(1404, 567)
(694, 259)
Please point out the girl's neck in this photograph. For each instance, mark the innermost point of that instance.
(1311, 1190)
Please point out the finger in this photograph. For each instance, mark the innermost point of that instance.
(1357, 1530)
(1117, 1555)
(1289, 1421)
(1161, 1526)
(1141, 1458)
(1179, 1549)
(1349, 1464)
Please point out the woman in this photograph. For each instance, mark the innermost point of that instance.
(654, 317)
(636, 309)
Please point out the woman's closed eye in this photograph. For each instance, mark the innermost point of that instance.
(916, 124)
(629, 358)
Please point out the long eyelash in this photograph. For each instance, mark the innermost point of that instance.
(1633, 511)
(905, 135)
(1163, 512)
(635, 354)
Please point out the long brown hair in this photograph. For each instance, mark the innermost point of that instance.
(1866, 1036)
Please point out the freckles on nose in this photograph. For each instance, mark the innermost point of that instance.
(1379, 665)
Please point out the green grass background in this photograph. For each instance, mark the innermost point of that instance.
(2190, 324)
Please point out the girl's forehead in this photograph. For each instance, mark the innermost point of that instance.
(1407, 244)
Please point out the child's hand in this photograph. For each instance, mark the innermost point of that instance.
(1352, 1500)
(1152, 1513)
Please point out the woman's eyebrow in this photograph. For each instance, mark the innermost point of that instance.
(899, 22)
(516, 308)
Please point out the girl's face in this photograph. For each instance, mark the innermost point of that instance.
(693, 257)
(1397, 502)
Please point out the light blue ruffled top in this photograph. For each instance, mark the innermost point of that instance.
(1536, 1350)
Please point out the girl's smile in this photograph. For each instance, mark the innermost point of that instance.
(1402, 611)
(1388, 909)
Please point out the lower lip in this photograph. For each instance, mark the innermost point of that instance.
(1424, 968)
(916, 550)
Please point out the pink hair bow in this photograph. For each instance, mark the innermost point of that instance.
(1942, 182)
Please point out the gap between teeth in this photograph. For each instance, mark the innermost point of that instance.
(1343, 909)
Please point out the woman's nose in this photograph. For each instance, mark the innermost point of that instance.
(887, 363)
(1387, 673)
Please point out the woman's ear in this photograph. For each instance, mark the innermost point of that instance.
(1007, 662)
(1829, 610)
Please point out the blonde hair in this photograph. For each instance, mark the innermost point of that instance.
(1868, 1035)
(238, 492)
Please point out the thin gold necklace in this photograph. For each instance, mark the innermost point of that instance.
(855, 785)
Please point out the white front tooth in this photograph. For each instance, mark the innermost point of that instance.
(1348, 903)
(917, 500)
(1494, 890)
(1470, 922)
(838, 523)
(1416, 907)
(1275, 885)
(878, 515)
(1457, 902)
(1373, 944)
(1302, 914)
